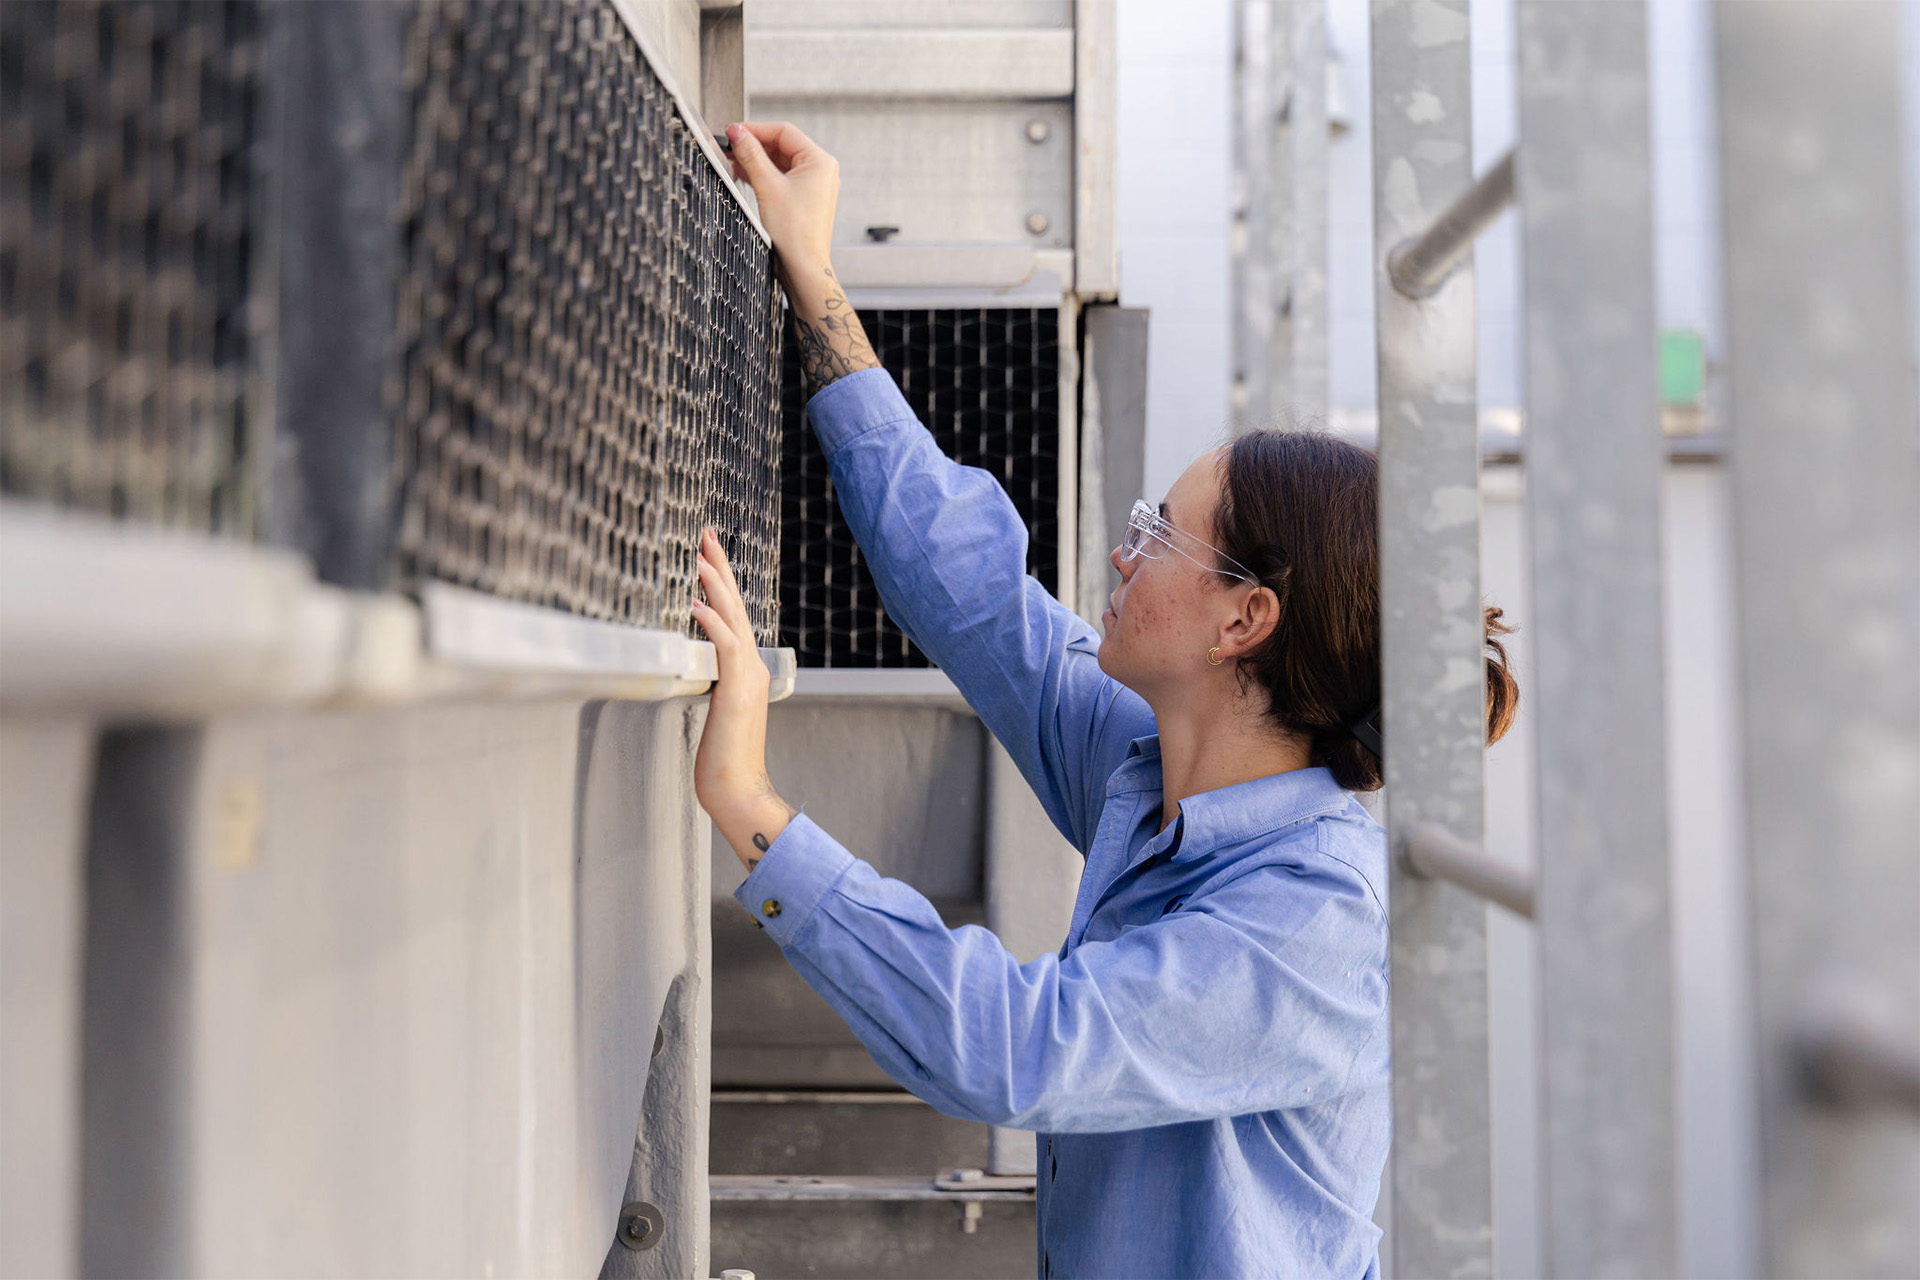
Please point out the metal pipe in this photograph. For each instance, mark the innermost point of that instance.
(1419, 265)
(1849, 1060)
(1435, 853)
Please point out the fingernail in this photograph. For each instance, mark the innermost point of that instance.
(734, 131)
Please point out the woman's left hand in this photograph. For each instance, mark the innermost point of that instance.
(730, 770)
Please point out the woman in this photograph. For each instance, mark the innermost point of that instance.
(1205, 1060)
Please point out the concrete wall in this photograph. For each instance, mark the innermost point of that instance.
(365, 992)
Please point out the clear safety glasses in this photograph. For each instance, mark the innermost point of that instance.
(1148, 532)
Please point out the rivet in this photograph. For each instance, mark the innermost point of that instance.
(1037, 131)
(1037, 223)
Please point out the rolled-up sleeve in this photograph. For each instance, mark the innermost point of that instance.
(1258, 995)
(948, 553)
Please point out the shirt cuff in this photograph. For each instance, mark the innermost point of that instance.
(798, 869)
(849, 407)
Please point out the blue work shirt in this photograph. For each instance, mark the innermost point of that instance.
(1205, 1060)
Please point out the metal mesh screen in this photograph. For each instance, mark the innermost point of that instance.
(986, 383)
(590, 325)
(577, 324)
(127, 258)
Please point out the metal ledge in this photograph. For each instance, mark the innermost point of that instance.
(689, 113)
(751, 1186)
(922, 685)
(124, 620)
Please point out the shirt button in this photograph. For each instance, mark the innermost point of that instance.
(770, 908)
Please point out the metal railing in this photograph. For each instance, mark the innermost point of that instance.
(1420, 264)
(1826, 415)
(1432, 853)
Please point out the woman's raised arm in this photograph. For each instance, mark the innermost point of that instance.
(944, 543)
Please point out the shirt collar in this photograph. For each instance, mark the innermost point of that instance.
(1229, 814)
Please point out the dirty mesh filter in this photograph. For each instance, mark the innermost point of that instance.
(590, 327)
(127, 258)
(986, 384)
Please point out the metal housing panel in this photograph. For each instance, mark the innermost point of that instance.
(1433, 669)
(1594, 461)
(1113, 442)
(374, 992)
(921, 64)
(46, 768)
(942, 171)
(1827, 517)
(1096, 128)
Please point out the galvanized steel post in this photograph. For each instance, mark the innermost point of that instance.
(1300, 367)
(1255, 270)
(1280, 231)
(1432, 636)
(1827, 521)
(1594, 462)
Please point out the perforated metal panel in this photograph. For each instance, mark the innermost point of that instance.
(590, 326)
(127, 258)
(986, 384)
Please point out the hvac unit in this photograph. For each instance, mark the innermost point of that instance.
(366, 374)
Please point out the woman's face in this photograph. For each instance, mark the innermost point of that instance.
(1167, 612)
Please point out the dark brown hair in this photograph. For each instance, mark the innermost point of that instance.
(1301, 510)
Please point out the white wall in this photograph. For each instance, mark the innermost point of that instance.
(1175, 209)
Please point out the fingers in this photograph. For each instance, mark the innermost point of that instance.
(727, 600)
(782, 142)
(751, 158)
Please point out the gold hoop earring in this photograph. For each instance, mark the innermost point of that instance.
(1213, 656)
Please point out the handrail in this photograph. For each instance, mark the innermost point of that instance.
(1434, 852)
(1420, 264)
(1849, 1059)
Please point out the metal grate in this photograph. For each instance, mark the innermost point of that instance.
(590, 326)
(126, 258)
(986, 384)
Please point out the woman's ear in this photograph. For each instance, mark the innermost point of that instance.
(1251, 627)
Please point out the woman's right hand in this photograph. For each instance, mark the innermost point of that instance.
(796, 184)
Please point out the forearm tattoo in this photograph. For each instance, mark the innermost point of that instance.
(832, 344)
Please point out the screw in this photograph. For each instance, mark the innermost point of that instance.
(1037, 223)
(1037, 131)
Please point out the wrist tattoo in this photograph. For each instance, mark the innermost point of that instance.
(760, 843)
(832, 344)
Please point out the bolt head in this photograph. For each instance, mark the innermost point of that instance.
(641, 1225)
(1037, 131)
(1037, 223)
